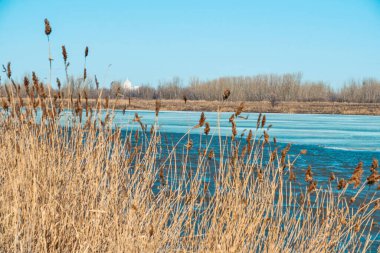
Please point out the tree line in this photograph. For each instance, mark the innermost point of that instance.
(268, 87)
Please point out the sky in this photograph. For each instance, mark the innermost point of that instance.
(153, 41)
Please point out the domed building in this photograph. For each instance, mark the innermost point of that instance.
(127, 85)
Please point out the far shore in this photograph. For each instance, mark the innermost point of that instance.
(249, 106)
(230, 106)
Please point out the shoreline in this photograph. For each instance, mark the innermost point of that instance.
(330, 108)
(339, 108)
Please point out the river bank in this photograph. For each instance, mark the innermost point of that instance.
(262, 106)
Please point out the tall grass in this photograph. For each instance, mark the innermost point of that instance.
(76, 183)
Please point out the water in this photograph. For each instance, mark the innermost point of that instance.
(334, 132)
(334, 143)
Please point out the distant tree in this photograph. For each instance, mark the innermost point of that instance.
(273, 99)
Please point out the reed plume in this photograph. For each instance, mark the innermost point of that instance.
(226, 94)
(234, 129)
(308, 174)
(341, 184)
(249, 136)
(211, 154)
(312, 186)
(284, 152)
(58, 83)
(374, 165)
(138, 119)
(48, 30)
(189, 144)
(373, 178)
(357, 175)
(9, 71)
(266, 137)
(232, 118)
(47, 27)
(64, 54)
(332, 177)
(207, 128)
(239, 109)
(264, 120)
(26, 84)
(202, 121)
(292, 175)
(258, 121)
(35, 81)
(85, 63)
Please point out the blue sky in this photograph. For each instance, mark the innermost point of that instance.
(148, 41)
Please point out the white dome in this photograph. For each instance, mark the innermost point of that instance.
(127, 85)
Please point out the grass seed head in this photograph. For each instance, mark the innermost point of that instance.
(258, 121)
(9, 70)
(211, 154)
(341, 184)
(374, 165)
(26, 84)
(239, 109)
(308, 174)
(292, 175)
(47, 27)
(357, 175)
(249, 136)
(58, 83)
(64, 54)
(35, 80)
(86, 52)
(226, 94)
(207, 128)
(312, 186)
(332, 177)
(189, 144)
(263, 121)
(266, 137)
(373, 178)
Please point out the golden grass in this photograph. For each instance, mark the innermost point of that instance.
(86, 189)
(250, 106)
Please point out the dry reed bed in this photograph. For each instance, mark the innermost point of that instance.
(85, 188)
(250, 106)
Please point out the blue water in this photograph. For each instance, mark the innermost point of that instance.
(334, 132)
(334, 143)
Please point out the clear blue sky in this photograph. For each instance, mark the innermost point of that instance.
(148, 41)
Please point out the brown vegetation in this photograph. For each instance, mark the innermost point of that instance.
(265, 107)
